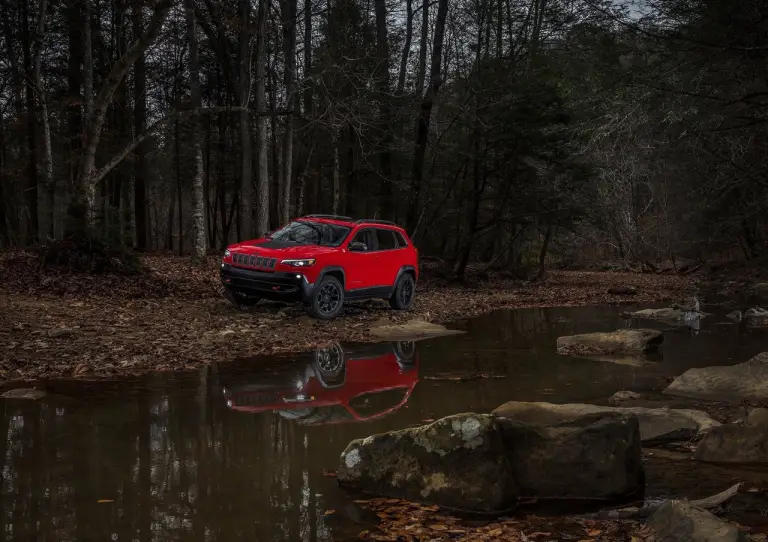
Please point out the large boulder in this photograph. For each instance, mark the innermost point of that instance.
(728, 383)
(483, 463)
(622, 341)
(458, 462)
(745, 443)
(679, 521)
(597, 456)
(656, 424)
(667, 314)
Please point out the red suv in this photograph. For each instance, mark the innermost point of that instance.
(323, 261)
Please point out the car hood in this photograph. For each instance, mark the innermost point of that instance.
(281, 249)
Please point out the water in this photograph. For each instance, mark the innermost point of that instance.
(242, 450)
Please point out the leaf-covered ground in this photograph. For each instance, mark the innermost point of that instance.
(173, 317)
(402, 521)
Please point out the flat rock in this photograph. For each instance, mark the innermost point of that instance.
(61, 332)
(679, 521)
(622, 341)
(624, 395)
(458, 462)
(731, 383)
(656, 424)
(24, 393)
(667, 314)
(745, 443)
(412, 329)
(757, 317)
(595, 457)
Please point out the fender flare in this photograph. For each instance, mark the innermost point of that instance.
(403, 270)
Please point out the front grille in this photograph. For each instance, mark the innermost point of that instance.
(256, 398)
(259, 262)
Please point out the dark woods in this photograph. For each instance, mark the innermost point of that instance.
(496, 131)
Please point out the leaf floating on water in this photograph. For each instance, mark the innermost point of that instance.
(102, 501)
(329, 512)
(329, 473)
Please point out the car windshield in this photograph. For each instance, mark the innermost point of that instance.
(305, 232)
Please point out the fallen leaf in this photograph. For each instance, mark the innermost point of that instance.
(105, 500)
(329, 512)
(594, 532)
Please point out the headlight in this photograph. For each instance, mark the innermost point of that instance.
(298, 263)
(226, 253)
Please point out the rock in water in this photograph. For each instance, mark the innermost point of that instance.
(622, 341)
(733, 383)
(656, 424)
(458, 462)
(670, 315)
(757, 317)
(24, 393)
(597, 456)
(678, 521)
(737, 443)
(735, 315)
(624, 395)
(412, 329)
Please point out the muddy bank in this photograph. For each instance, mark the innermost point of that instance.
(174, 318)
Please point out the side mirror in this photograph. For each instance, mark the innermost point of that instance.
(357, 246)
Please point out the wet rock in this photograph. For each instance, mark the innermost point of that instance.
(679, 521)
(457, 462)
(412, 329)
(624, 395)
(656, 424)
(736, 315)
(757, 317)
(733, 383)
(622, 290)
(622, 341)
(597, 456)
(226, 332)
(668, 314)
(24, 393)
(745, 443)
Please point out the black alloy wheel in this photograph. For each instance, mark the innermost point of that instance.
(402, 297)
(330, 361)
(327, 299)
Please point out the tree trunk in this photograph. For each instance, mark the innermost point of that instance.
(244, 90)
(44, 119)
(80, 204)
(382, 82)
(140, 165)
(422, 130)
(543, 252)
(198, 196)
(30, 192)
(336, 186)
(262, 182)
(423, 46)
(406, 47)
(288, 8)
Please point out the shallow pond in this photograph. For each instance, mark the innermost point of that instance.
(243, 450)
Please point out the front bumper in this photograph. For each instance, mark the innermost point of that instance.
(277, 286)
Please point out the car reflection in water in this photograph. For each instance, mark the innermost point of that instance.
(339, 384)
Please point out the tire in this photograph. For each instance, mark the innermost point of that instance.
(405, 291)
(240, 300)
(405, 350)
(327, 299)
(329, 362)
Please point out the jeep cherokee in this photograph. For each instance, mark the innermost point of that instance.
(323, 261)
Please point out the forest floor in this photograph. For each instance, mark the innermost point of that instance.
(174, 317)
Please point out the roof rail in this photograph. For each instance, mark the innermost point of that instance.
(331, 217)
(374, 221)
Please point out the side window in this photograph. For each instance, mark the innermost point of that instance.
(386, 239)
(400, 240)
(367, 238)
